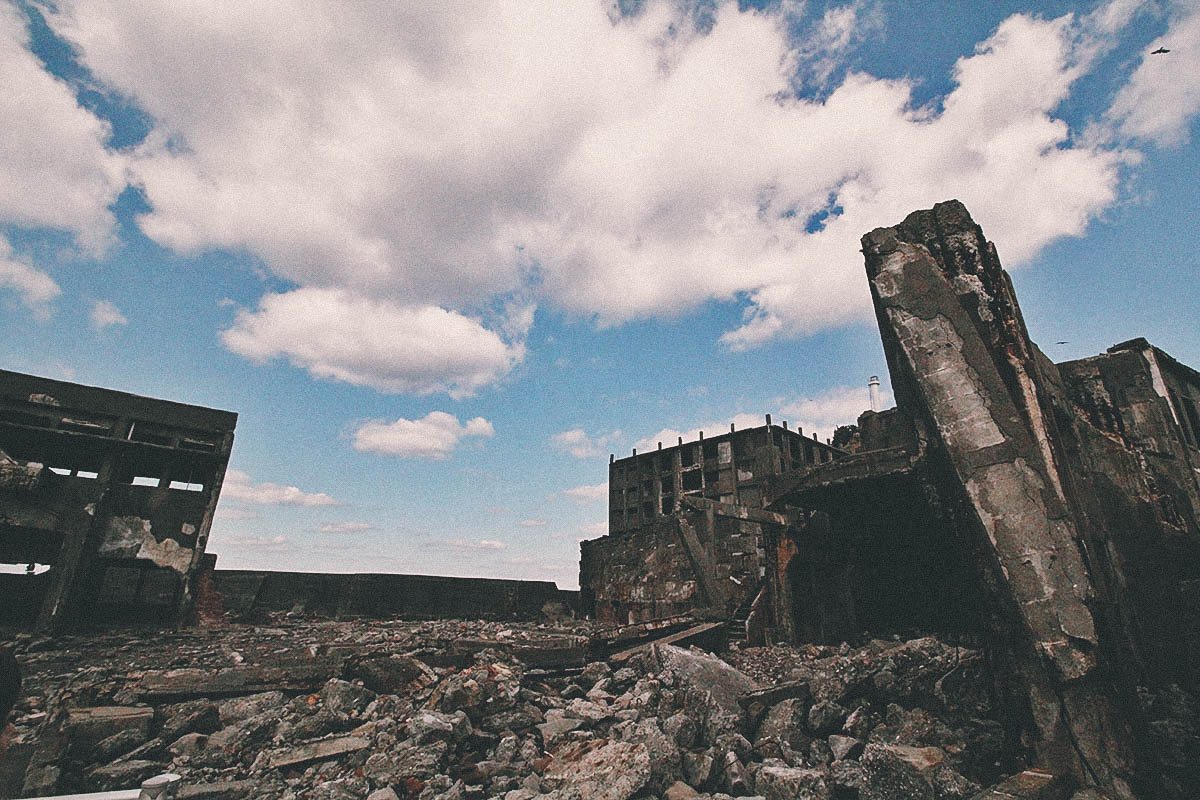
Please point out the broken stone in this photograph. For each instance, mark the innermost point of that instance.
(196, 716)
(88, 726)
(844, 746)
(390, 674)
(342, 697)
(680, 791)
(124, 773)
(826, 717)
(600, 769)
(555, 726)
(316, 751)
(789, 783)
(188, 745)
(239, 708)
(890, 776)
(118, 744)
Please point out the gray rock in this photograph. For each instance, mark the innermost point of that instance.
(697, 768)
(785, 722)
(600, 770)
(188, 745)
(889, 776)
(790, 783)
(555, 726)
(682, 729)
(389, 674)
(194, 716)
(844, 746)
(117, 745)
(407, 760)
(240, 708)
(680, 791)
(846, 778)
(428, 726)
(386, 793)
(703, 674)
(125, 773)
(343, 697)
(826, 717)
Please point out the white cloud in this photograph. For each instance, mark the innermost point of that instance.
(670, 437)
(235, 513)
(35, 288)
(272, 544)
(1163, 95)
(453, 155)
(239, 486)
(819, 414)
(532, 523)
(588, 494)
(372, 342)
(828, 410)
(481, 544)
(55, 170)
(434, 436)
(578, 443)
(346, 527)
(105, 314)
(594, 530)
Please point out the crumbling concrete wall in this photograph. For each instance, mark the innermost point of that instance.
(1065, 513)
(247, 592)
(114, 493)
(677, 565)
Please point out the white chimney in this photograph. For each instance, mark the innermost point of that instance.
(873, 385)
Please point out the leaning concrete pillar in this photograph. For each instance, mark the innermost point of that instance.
(961, 366)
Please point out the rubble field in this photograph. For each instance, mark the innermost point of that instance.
(302, 708)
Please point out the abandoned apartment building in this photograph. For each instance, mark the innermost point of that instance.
(1048, 511)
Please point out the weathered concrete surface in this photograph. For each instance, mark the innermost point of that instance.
(250, 592)
(115, 493)
(964, 369)
(699, 559)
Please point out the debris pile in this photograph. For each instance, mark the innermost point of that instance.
(448, 710)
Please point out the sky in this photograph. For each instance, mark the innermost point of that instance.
(443, 259)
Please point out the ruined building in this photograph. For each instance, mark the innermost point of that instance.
(653, 497)
(1047, 511)
(107, 498)
(115, 493)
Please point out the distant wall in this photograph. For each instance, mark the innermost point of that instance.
(371, 595)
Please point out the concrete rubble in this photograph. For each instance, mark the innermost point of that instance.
(1049, 512)
(382, 709)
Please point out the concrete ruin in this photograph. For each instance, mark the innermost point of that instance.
(1048, 512)
(683, 529)
(107, 498)
(115, 493)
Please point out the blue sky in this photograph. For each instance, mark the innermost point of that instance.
(442, 260)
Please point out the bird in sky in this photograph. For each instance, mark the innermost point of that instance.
(1062, 342)
(1159, 51)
